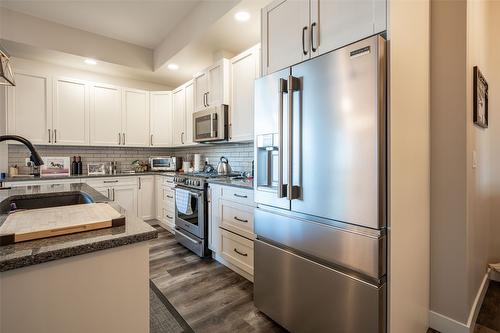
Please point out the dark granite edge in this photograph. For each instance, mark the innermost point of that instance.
(77, 250)
(231, 184)
(85, 176)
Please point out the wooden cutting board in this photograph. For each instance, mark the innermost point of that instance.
(55, 221)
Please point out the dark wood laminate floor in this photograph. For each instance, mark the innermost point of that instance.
(208, 295)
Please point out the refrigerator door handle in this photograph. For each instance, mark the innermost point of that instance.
(293, 85)
(282, 90)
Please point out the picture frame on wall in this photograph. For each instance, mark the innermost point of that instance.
(96, 169)
(480, 99)
(55, 167)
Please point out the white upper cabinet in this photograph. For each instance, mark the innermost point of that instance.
(201, 88)
(179, 116)
(285, 34)
(105, 115)
(212, 85)
(296, 30)
(189, 107)
(161, 119)
(70, 112)
(338, 23)
(135, 118)
(29, 107)
(244, 70)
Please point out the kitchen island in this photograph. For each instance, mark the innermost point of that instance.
(95, 281)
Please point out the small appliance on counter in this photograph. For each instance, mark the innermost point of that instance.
(167, 163)
(223, 168)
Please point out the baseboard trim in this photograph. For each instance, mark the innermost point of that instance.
(445, 324)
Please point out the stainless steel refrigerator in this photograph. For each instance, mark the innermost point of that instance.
(320, 188)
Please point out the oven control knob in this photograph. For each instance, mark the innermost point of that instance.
(197, 183)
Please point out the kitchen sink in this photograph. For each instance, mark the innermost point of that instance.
(45, 200)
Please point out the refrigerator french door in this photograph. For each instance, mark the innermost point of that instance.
(320, 188)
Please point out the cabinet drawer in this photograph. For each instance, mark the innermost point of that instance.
(238, 195)
(237, 218)
(168, 181)
(112, 181)
(237, 250)
(168, 216)
(168, 194)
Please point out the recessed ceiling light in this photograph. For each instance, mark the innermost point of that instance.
(173, 67)
(242, 16)
(90, 61)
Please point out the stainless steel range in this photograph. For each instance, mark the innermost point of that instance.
(191, 213)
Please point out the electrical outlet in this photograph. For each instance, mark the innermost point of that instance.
(474, 159)
(27, 162)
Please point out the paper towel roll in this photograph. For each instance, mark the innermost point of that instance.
(197, 163)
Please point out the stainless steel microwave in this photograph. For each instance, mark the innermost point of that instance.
(167, 163)
(210, 124)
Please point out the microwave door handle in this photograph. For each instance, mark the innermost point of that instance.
(282, 91)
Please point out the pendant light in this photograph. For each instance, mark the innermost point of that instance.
(6, 73)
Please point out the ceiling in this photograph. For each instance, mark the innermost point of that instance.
(141, 22)
(152, 25)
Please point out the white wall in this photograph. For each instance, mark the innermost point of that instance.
(409, 166)
(465, 201)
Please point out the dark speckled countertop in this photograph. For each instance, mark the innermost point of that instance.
(26, 178)
(48, 249)
(241, 183)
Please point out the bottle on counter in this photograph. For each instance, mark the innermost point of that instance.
(79, 165)
(74, 166)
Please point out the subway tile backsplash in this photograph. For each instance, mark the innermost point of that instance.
(240, 155)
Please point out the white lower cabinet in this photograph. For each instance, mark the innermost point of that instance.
(165, 201)
(122, 190)
(231, 231)
(146, 197)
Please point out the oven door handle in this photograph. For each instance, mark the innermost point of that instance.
(192, 240)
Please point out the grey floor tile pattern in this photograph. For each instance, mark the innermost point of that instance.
(208, 295)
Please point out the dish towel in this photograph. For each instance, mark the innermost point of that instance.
(183, 201)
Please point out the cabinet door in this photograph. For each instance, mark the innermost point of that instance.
(244, 71)
(135, 118)
(214, 196)
(218, 83)
(200, 89)
(29, 108)
(71, 112)
(338, 23)
(285, 34)
(189, 106)
(146, 199)
(179, 116)
(126, 197)
(105, 115)
(161, 119)
(159, 197)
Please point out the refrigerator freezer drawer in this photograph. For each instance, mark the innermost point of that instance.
(362, 253)
(304, 296)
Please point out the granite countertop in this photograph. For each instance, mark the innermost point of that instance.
(241, 183)
(48, 249)
(29, 178)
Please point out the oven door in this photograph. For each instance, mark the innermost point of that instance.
(210, 124)
(193, 223)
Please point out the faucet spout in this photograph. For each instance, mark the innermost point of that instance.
(35, 157)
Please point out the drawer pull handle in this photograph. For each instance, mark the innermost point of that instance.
(169, 196)
(240, 253)
(110, 181)
(169, 217)
(241, 220)
(240, 196)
